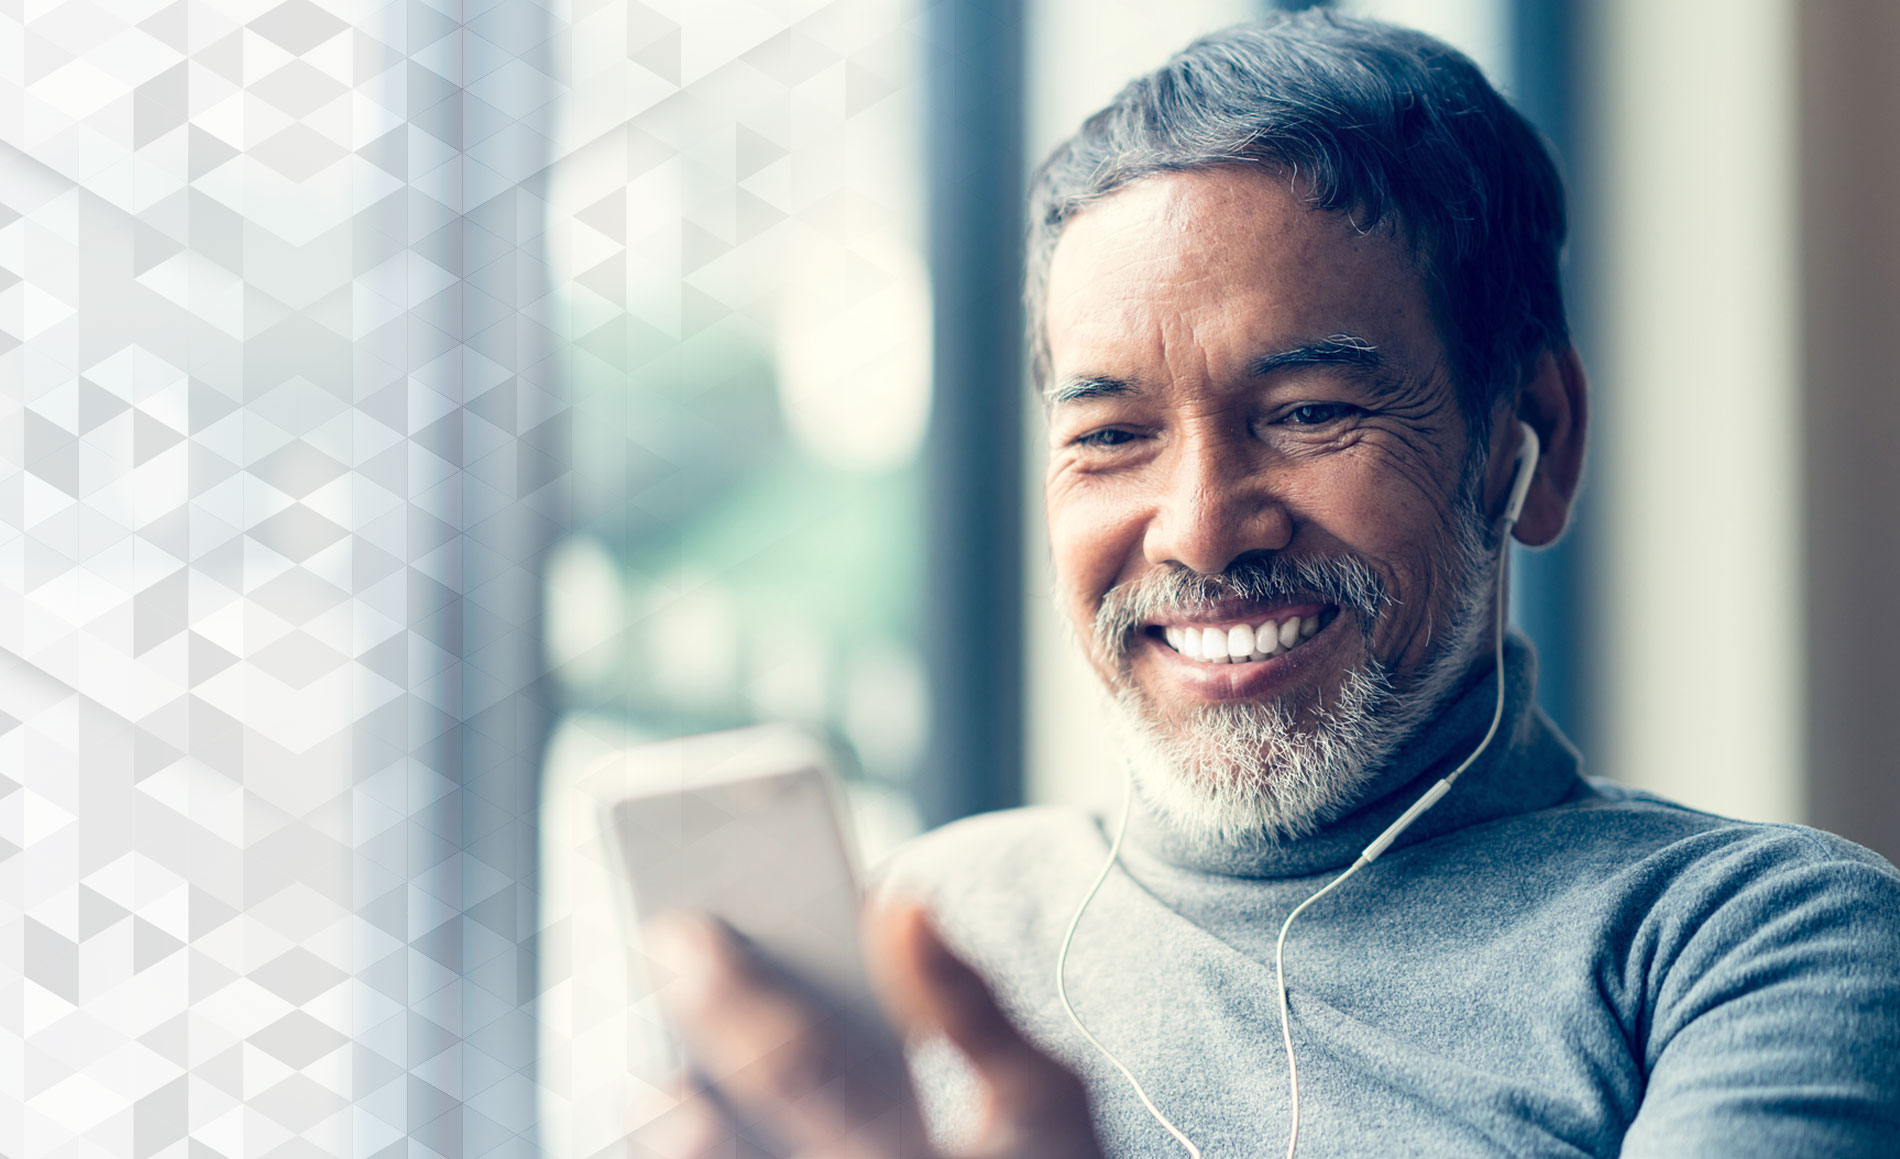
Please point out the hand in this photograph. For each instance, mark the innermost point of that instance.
(775, 1057)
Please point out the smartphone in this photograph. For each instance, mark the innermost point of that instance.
(744, 826)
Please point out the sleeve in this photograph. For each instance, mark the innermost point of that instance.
(1773, 1026)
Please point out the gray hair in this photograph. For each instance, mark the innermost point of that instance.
(1386, 124)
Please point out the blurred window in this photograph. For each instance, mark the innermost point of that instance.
(736, 234)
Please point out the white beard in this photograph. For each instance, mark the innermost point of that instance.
(1249, 771)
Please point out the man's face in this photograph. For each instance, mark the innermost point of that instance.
(1245, 388)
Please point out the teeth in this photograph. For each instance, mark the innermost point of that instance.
(1240, 644)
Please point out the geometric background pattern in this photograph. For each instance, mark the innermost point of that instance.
(300, 306)
(308, 312)
(282, 444)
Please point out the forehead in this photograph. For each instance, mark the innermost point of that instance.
(1226, 263)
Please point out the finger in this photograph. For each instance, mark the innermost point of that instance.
(680, 1122)
(776, 1054)
(931, 990)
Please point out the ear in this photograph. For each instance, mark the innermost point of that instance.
(1555, 402)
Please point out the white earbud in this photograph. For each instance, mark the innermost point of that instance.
(1528, 449)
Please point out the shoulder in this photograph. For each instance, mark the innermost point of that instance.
(1000, 884)
(1024, 847)
(1715, 905)
(1714, 846)
(1764, 961)
(1661, 842)
(1667, 886)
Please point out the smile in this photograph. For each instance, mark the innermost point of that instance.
(1244, 643)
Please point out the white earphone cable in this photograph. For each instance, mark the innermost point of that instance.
(1062, 961)
(1379, 845)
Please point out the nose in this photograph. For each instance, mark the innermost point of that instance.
(1215, 505)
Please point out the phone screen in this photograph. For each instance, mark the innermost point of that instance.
(744, 827)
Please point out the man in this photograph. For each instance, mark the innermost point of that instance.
(1292, 297)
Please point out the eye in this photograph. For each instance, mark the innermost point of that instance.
(1107, 437)
(1318, 414)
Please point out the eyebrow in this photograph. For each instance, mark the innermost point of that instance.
(1093, 386)
(1338, 350)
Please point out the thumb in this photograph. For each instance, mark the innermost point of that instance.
(1032, 1103)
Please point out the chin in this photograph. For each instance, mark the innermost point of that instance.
(1250, 771)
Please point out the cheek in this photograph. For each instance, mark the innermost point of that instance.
(1380, 514)
(1091, 543)
(1391, 523)
(1401, 529)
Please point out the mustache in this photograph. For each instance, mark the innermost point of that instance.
(1345, 580)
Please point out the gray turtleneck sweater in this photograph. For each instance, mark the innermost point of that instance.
(1543, 965)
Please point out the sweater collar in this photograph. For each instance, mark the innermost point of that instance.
(1528, 766)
